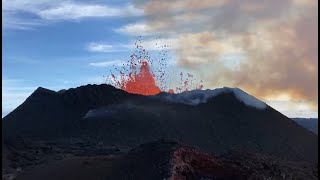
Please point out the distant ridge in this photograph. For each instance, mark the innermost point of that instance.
(308, 123)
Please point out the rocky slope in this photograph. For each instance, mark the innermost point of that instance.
(99, 120)
(170, 160)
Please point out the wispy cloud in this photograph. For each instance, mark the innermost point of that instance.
(103, 47)
(13, 21)
(145, 29)
(22, 15)
(158, 44)
(74, 11)
(27, 14)
(148, 44)
(136, 29)
(106, 63)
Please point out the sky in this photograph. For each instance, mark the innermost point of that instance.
(267, 48)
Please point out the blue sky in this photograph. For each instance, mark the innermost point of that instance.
(64, 43)
(55, 53)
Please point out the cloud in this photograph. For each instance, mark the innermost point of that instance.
(95, 47)
(222, 15)
(22, 15)
(103, 48)
(106, 63)
(136, 29)
(148, 44)
(75, 11)
(292, 108)
(162, 7)
(272, 44)
(156, 44)
(28, 14)
(143, 29)
(11, 21)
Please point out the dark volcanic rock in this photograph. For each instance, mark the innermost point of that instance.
(221, 124)
(47, 114)
(169, 160)
(102, 114)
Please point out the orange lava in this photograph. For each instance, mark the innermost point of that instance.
(137, 77)
(142, 82)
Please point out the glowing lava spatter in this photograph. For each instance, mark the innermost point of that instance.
(139, 83)
(140, 79)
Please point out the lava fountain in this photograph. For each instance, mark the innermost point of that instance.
(140, 83)
(140, 77)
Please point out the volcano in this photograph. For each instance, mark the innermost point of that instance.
(99, 120)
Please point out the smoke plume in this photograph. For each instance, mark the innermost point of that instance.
(269, 48)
